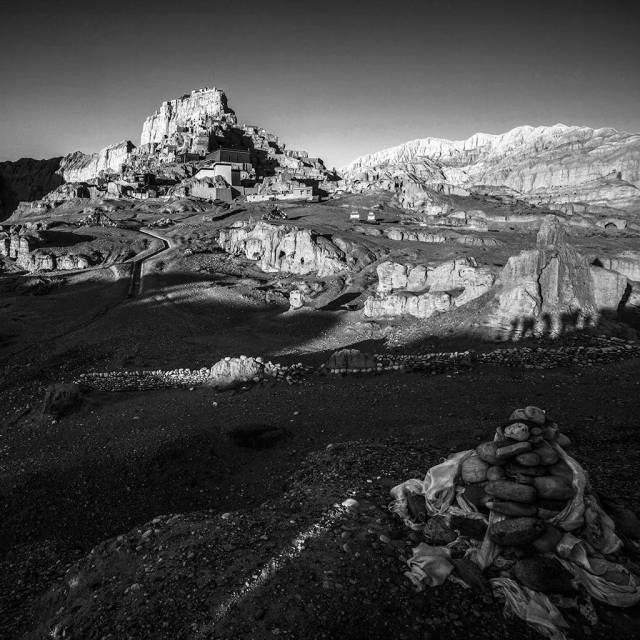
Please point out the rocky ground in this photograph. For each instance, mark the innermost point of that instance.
(122, 465)
(196, 513)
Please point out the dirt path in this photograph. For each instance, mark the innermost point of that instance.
(137, 275)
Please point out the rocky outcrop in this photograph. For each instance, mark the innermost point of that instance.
(407, 304)
(29, 246)
(393, 276)
(460, 274)
(43, 260)
(26, 180)
(553, 289)
(82, 167)
(627, 263)
(5, 243)
(544, 165)
(184, 120)
(284, 248)
(460, 280)
(609, 288)
(414, 236)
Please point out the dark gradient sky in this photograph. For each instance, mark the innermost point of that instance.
(337, 78)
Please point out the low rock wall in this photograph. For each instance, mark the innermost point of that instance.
(598, 351)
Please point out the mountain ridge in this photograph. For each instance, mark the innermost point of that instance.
(552, 165)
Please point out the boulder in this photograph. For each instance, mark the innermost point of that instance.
(295, 299)
(543, 574)
(61, 399)
(230, 371)
(516, 532)
(345, 360)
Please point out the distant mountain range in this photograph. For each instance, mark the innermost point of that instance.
(568, 168)
(556, 165)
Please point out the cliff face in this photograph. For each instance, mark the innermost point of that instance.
(555, 164)
(82, 167)
(25, 180)
(184, 120)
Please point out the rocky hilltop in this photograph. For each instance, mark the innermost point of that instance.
(203, 108)
(559, 166)
(181, 137)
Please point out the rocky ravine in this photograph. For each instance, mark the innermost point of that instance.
(545, 165)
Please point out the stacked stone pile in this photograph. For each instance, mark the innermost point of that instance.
(523, 511)
(521, 477)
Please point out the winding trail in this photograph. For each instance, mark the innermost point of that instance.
(137, 275)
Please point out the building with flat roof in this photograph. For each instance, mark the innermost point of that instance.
(240, 156)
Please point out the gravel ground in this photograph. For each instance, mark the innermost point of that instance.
(124, 459)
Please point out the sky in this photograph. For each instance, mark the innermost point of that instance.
(339, 79)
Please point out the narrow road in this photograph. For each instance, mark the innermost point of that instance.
(135, 287)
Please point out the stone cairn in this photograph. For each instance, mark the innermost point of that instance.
(519, 514)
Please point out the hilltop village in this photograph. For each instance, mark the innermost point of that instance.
(192, 146)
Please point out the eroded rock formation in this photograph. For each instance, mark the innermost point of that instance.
(406, 304)
(29, 246)
(553, 288)
(285, 248)
(188, 121)
(451, 284)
